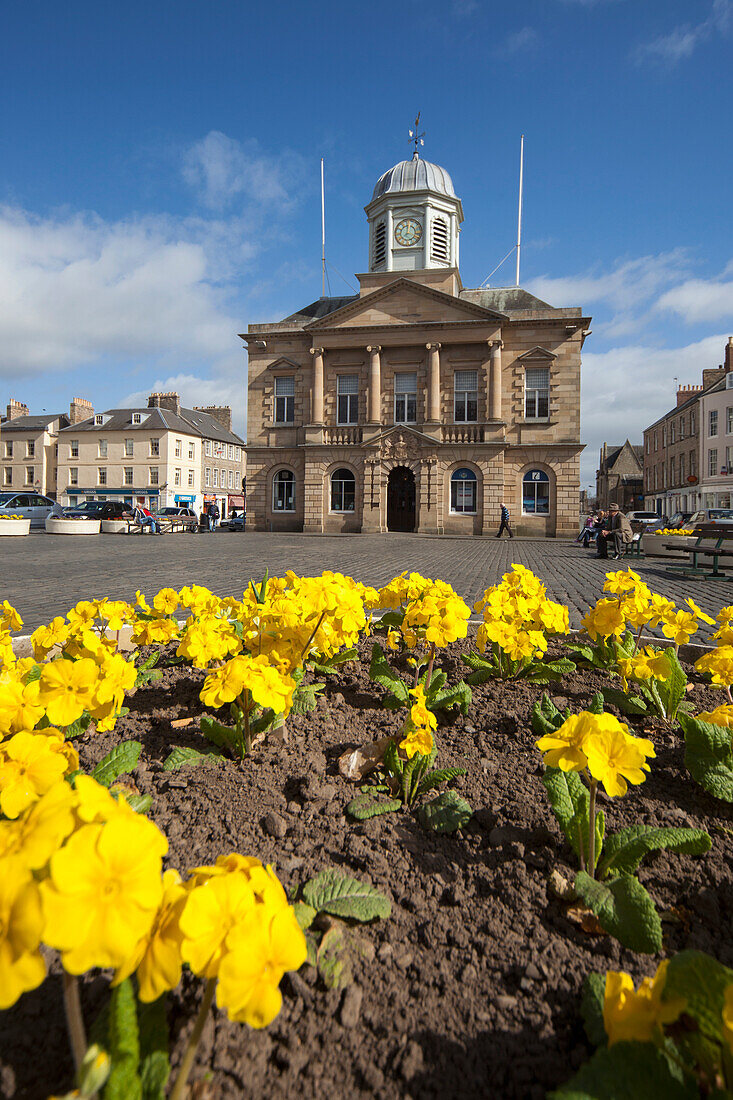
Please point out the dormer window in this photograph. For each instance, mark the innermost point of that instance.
(137, 418)
(380, 244)
(99, 419)
(439, 243)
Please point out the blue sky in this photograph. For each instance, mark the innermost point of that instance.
(159, 179)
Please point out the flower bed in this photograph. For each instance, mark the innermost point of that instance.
(473, 971)
(65, 525)
(657, 545)
(14, 525)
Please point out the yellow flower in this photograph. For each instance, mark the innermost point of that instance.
(46, 638)
(699, 612)
(650, 664)
(211, 911)
(719, 664)
(103, 892)
(728, 1018)
(680, 626)
(9, 617)
(157, 957)
(625, 580)
(19, 707)
(166, 601)
(630, 1015)
(66, 689)
(29, 766)
(419, 712)
(417, 741)
(605, 619)
(615, 757)
(268, 685)
(36, 834)
(564, 748)
(116, 676)
(721, 716)
(155, 631)
(21, 964)
(259, 950)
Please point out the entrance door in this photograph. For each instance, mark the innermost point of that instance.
(401, 500)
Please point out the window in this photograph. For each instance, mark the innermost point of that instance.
(692, 462)
(465, 397)
(380, 243)
(713, 422)
(207, 448)
(285, 400)
(154, 448)
(177, 479)
(190, 479)
(231, 479)
(238, 453)
(537, 393)
(207, 477)
(102, 448)
(8, 475)
(73, 475)
(729, 420)
(129, 448)
(692, 423)
(439, 245)
(8, 449)
(682, 428)
(153, 475)
(405, 398)
(647, 441)
(30, 448)
(216, 478)
(347, 391)
(178, 449)
(73, 448)
(98, 420)
(231, 452)
(712, 462)
(463, 491)
(128, 475)
(682, 469)
(535, 493)
(192, 450)
(30, 473)
(137, 418)
(283, 491)
(223, 481)
(343, 491)
(656, 442)
(664, 436)
(101, 475)
(671, 471)
(671, 433)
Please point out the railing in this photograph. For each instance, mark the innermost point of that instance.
(463, 433)
(337, 436)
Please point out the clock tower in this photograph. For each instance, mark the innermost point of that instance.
(414, 218)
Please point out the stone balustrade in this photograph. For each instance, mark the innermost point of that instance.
(338, 436)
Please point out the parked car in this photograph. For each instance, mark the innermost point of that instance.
(722, 516)
(178, 510)
(31, 506)
(98, 509)
(645, 521)
(679, 519)
(235, 523)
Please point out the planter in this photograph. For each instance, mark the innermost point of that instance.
(655, 546)
(114, 527)
(15, 526)
(55, 525)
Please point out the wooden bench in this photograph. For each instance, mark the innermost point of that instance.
(168, 525)
(633, 549)
(710, 542)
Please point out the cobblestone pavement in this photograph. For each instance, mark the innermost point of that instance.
(44, 575)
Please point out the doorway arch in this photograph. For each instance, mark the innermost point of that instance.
(401, 499)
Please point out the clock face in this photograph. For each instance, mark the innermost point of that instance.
(408, 232)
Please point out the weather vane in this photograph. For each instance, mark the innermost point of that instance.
(415, 136)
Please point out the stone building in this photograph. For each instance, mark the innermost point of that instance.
(29, 445)
(620, 477)
(416, 405)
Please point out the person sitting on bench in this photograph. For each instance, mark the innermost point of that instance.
(144, 518)
(618, 533)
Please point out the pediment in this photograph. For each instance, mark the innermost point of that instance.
(537, 353)
(404, 302)
(283, 363)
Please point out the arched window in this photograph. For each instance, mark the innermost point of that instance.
(283, 491)
(380, 243)
(536, 493)
(463, 490)
(439, 247)
(343, 491)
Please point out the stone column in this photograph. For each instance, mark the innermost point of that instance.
(317, 390)
(375, 384)
(495, 380)
(434, 382)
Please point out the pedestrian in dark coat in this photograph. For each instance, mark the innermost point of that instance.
(504, 525)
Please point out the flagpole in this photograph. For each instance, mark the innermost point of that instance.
(519, 212)
(323, 235)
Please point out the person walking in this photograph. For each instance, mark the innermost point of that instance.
(504, 525)
(618, 531)
(213, 515)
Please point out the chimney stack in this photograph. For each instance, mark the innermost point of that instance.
(222, 413)
(729, 355)
(16, 409)
(80, 409)
(170, 401)
(711, 375)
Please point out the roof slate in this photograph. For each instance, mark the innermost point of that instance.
(504, 299)
(190, 422)
(320, 308)
(30, 423)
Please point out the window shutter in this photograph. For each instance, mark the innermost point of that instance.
(439, 249)
(380, 243)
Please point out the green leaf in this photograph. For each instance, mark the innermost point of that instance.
(708, 756)
(383, 674)
(672, 690)
(120, 761)
(542, 672)
(304, 914)
(343, 896)
(305, 698)
(626, 848)
(628, 1071)
(326, 665)
(333, 961)
(702, 981)
(570, 801)
(182, 757)
(591, 1008)
(77, 728)
(140, 803)
(624, 910)
(596, 704)
(440, 775)
(222, 736)
(437, 680)
(627, 704)
(365, 806)
(459, 695)
(482, 676)
(546, 718)
(311, 945)
(391, 619)
(586, 652)
(123, 1045)
(155, 1065)
(479, 663)
(446, 813)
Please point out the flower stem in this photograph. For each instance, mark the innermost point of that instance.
(179, 1089)
(592, 829)
(247, 731)
(730, 697)
(74, 1019)
(429, 676)
(313, 634)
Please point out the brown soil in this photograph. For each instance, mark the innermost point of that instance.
(475, 982)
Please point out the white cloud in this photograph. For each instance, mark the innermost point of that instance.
(520, 40)
(224, 171)
(194, 390)
(701, 299)
(681, 42)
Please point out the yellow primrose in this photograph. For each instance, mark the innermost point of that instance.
(157, 957)
(638, 1015)
(719, 664)
(116, 676)
(564, 748)
(166, 601)
(211, 911)
(419, 712)
(721, 716)
(155, 631)
(417, 740)
(66, 687)
(29, 767)
(19, 707)
(9, 617)
(46, 638)
(268, 686)
(699, 612)
(616, 758)
(604, 620)
(680, 626)
(21, 964)
(624, 580)
(36, 834)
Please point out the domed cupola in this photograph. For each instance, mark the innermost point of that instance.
(414, 218)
